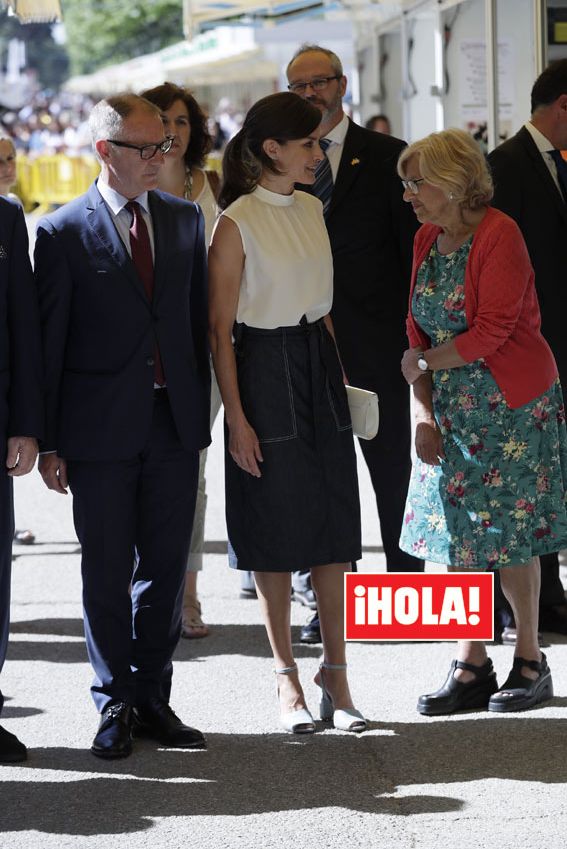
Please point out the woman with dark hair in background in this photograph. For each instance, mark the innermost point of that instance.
(183, 175)
(290, 467)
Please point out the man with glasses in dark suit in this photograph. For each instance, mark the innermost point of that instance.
(121, 275)
(371, 231)
(530, 185)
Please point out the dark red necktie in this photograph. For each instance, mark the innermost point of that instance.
(142, 258)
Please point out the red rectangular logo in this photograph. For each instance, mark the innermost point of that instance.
(419, 606)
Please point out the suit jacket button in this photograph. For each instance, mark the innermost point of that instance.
(150, 361)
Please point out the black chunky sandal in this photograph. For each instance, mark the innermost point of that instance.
(456, 695)
(523, 692)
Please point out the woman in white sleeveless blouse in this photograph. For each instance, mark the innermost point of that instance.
(290, 468)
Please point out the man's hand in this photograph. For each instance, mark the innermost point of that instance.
(21, 456)
(53, 470)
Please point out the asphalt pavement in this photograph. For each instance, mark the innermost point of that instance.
(469, 781)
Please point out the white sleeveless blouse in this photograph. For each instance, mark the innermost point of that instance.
(288, 265)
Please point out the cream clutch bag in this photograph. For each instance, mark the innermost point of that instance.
(363, 407)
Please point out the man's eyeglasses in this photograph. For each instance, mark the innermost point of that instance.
(412, 185)
(317, 85)
(146, 151)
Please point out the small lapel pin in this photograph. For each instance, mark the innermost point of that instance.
(355, 161)
(3, 252)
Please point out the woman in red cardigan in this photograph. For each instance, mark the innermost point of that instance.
(488, 489)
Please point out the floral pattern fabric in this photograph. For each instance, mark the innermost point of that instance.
(499, 496)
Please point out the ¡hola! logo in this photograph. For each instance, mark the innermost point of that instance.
(419, 606)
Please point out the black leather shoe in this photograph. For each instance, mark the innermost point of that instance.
(553, 618)
(519, 692)
(305, 597)
(11, 750)
(311, 631)
(155, 719)
(114, 736)
(455, 695)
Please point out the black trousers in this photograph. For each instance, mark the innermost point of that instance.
(133, 519)
(388, 456)
(6, 537)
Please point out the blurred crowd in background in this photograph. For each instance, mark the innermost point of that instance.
(56, 122)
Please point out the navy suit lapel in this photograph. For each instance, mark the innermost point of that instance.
(100, 220)
(351, 161)
(162, 225)
(542, 170)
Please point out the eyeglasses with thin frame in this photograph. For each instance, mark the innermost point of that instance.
(146, 151)
(413, 185)
(317, 85)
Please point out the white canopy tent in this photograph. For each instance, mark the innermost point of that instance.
(225, 54)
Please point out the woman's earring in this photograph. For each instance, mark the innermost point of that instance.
(451, 196)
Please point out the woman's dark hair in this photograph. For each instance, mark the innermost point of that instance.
(200, 143)
(283, 117)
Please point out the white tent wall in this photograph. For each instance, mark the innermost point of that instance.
(516, 30)
(421, 112)
(391, 84)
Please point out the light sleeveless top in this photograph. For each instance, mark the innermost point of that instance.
(208, 204)
(288, 265)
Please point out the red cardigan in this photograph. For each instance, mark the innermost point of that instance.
(501, 307)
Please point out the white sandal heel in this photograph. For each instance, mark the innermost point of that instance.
(295, 721)
(344, 719)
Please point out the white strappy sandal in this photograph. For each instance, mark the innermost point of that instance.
(295, 721)
(345, 719)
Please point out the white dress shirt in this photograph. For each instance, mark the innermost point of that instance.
(544, 146)
(122, 218)
(337, 140)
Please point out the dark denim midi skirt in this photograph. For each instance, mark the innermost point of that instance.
(304, 511)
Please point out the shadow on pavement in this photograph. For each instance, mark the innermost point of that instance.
(246, 640)
(238, 775)
(61, 627)
(253, 774)
(20, 712)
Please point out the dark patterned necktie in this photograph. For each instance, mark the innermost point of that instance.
(561, 171)
(323, 185)
(141, 249)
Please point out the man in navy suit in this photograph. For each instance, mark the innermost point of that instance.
(530, 185)
(21, 407)
(121, 276)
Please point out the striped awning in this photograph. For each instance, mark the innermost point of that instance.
(35, 11)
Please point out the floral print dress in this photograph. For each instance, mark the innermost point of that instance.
(499, 496)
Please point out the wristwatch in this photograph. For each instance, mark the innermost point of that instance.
(422, 363)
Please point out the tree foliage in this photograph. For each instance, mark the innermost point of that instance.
(47, 58)
(101, 32)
